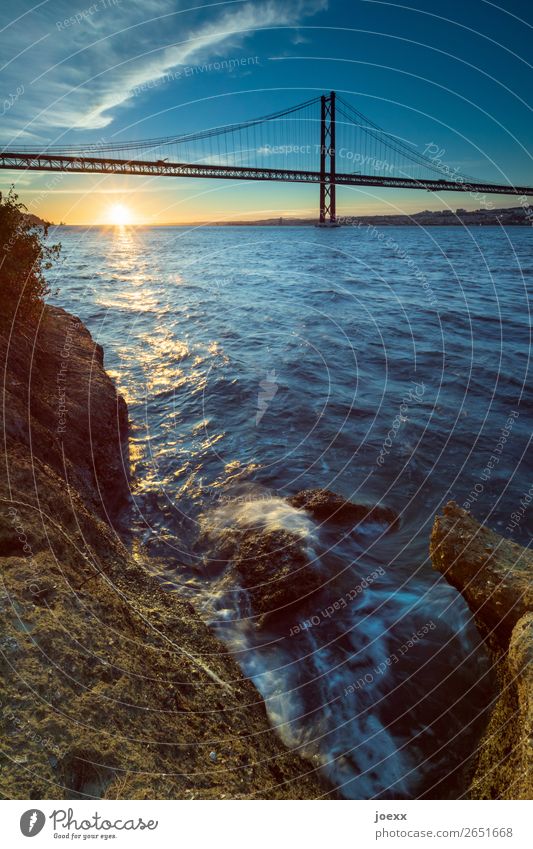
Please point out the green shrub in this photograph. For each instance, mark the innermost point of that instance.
(24, 257)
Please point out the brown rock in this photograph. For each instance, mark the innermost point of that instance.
(493, 573)
(327, 506)
(494, 576)
(275, 571)
(64, 407)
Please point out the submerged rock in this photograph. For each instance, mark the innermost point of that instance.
(494, 576)
(327, 506)
(275, 570)
(268, 545)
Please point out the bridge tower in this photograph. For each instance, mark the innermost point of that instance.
(328, 212)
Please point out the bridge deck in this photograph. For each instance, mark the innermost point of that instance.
(99, 165)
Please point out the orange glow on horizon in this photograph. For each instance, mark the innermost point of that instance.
(185, 204)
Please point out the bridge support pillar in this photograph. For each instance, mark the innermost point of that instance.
(328, 211)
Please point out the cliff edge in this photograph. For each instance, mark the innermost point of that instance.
(494, 576)
(111, 687)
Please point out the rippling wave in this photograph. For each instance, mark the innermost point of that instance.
(257, 362)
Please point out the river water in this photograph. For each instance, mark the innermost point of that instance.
(382, 365)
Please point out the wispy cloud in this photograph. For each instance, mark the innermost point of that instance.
(78, 74)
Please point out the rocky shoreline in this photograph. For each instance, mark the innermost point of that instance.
(111, 687)
(494, 576)
(114, 688)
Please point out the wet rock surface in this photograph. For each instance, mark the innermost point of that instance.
(495, 577)
(111, 687)
(326, 506)
(272, 551)
(276, 572)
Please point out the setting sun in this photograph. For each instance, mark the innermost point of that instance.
(120, 215)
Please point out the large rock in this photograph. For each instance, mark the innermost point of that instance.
(327, 506)
(274, 564)
(63, 407)
(109, 686)
(275, 571)
(494, 576)
(493, 573)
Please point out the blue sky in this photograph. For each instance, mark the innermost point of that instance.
(456, 74)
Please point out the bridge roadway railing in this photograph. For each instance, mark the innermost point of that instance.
(13, 160)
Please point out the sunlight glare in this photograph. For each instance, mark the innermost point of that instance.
(120, 215)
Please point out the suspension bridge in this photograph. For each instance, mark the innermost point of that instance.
(324, 141)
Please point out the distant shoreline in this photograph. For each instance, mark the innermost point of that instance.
(518, 216)
(513, 216)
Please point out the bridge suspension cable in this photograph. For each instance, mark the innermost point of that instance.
(140, 144)
(322, 140)
(394, 144)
